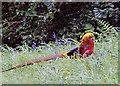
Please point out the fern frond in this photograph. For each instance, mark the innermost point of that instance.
(105, 26)
(105, 29)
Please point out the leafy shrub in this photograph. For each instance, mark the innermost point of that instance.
(27, 22)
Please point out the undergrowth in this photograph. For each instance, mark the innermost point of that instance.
(99, 68)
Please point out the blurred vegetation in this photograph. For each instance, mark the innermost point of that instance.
(39, 22)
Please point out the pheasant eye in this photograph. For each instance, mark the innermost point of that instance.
(90, 36)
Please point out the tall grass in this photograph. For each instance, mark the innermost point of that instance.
(99, 68)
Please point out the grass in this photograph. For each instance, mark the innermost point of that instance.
(99, 68)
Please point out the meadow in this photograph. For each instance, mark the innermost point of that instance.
(99, 68)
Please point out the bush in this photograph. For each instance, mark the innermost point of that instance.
(26, 22)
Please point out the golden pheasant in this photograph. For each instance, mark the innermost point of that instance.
(85, 49)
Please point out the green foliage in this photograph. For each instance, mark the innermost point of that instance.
(105, 26)
(25, 22)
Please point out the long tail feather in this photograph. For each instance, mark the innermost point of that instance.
(46, 58)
